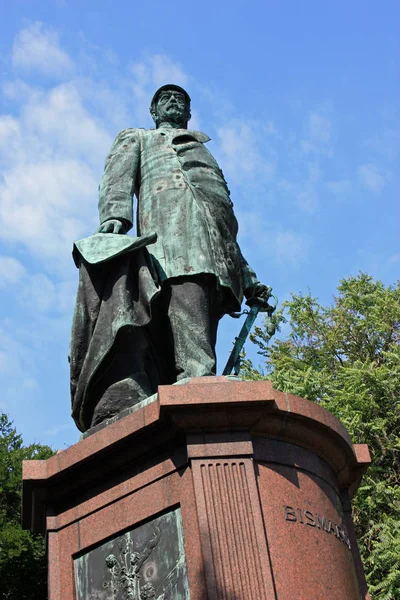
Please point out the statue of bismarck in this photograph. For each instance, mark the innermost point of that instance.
(189, 276)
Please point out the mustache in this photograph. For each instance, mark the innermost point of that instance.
(174, 102)
(175, 106)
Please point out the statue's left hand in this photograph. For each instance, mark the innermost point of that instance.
(112, 226)
(259, 295)
(258, 291)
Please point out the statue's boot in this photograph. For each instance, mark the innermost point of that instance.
(128, 375)
(121, 395)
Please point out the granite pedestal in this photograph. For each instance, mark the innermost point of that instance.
(213, 490)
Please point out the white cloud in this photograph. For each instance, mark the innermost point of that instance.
(290, 247)
(23, 359)
(339, 187)
(307, 198)
(320, 128)
(45, 206)
(53, 431)
(164, 70)
(150, 74)
(56, 123)
(9, 130)
(14, 356)
(304, 193)
(155, 71)
(51, 158)
(309, 163)
(371, 177)
(19, 91)
(271, 239)
(241, 152)
(40, 294)
(52, 152)
(11, 271)
(386, 143)
(112, 103)
(36, 48)
(318, 135)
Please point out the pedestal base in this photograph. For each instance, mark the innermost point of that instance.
(216, 489)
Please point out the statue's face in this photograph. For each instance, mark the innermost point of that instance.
(172, 108)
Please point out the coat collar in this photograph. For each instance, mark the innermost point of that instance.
(200, 137)
(192, 133)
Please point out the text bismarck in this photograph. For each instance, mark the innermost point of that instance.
(306, 517)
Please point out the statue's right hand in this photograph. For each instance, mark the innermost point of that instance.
(112, 226)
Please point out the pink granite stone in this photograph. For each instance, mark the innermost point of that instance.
(262, 480)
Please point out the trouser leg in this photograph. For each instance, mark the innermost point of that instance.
(193, 314)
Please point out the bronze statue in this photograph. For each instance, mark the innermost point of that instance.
(190, 275)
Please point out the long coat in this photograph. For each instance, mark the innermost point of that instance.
(183, 197)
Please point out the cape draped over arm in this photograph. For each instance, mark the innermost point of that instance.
(116, 286)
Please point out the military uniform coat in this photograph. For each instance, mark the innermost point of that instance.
(183, 197)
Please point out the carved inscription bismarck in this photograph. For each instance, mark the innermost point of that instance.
(306, 517)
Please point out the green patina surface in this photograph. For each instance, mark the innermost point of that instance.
(184, 198)
(187, 232)
(101, 247)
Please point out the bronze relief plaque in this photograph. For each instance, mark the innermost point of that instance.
(144, 563)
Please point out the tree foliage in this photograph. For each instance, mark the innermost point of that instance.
(23, 570)
(346, 357)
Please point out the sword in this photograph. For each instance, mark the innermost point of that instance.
(256, 305)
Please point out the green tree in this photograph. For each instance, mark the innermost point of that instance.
(346, 357)
(23, 570)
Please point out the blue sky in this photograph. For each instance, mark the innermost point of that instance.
(301, 100)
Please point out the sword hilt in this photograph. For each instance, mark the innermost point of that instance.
(257, 304)
(263, 303)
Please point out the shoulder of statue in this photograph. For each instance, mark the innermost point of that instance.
(132, 131)
(124, 136)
